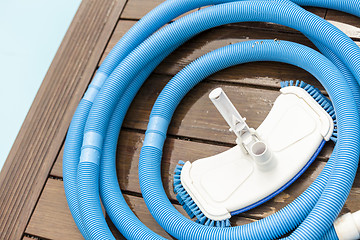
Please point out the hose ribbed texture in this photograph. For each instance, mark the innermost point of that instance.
(348, 6)
(100, 113)
(354, 86)
(88, 197)
(71, 159)
(118, 210)
(150, 23)
(331, 234)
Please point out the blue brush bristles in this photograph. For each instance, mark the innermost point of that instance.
(190, 206)
(315, 93)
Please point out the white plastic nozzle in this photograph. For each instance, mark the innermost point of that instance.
(228, 111)
(347, 226)
(260, 151)
(246, 137)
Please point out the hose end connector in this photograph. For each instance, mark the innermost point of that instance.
(347, 227)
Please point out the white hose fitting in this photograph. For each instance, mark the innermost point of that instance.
(262, 156)
(247, 138)
(347, 226)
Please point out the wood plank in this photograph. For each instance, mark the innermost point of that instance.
(39, 140)
(27, 238)
(52, 218)
(136, 9)
(56, 170)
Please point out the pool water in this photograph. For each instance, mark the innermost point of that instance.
(31, 32)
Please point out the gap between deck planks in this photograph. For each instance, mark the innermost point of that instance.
(190, 133)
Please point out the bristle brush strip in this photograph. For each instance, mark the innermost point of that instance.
(189, 205)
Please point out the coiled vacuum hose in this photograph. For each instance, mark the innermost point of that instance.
(89, 155)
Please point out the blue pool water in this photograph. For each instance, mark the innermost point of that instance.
(31, 32)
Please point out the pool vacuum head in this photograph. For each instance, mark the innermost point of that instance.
(264, 162)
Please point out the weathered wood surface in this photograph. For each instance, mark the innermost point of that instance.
(39, 140)
(197, 129)
(27, 238)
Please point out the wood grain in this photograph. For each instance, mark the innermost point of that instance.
(56, 170)
(136, 9)
(27, 238)
(52, 218)
(39, 140)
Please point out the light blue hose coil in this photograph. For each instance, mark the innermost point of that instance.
(126, 76)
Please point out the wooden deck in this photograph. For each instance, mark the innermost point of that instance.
(32, 200)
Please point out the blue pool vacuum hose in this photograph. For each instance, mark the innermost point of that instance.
(90, 147)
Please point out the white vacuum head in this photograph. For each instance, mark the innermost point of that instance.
(262, 164)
